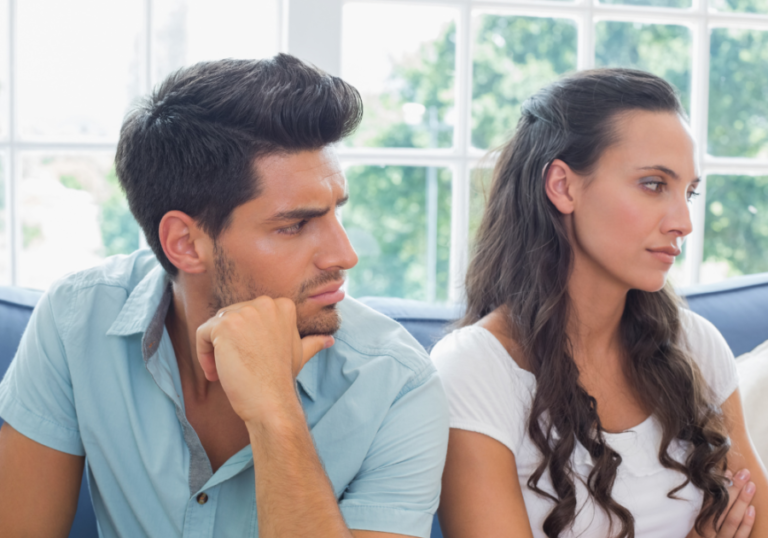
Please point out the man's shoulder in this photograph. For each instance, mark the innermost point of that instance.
(107, 284)
(372, 334)
(122, 271)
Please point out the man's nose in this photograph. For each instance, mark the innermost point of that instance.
(337, 252)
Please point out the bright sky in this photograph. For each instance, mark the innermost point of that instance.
(81, 62)
(377, 35)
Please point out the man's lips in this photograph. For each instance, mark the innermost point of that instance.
(328, 294)
(665, 254)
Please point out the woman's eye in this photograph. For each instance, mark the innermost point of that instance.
(654, 186)
(692, 195)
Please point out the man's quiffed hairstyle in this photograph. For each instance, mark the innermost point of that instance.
(190, 146)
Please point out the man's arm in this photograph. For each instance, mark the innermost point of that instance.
(255, 351)
(39, 487)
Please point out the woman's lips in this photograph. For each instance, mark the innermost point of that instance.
(666, 254)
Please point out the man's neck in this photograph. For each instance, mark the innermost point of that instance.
(188, 310)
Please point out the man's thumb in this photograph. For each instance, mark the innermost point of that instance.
(312, 345)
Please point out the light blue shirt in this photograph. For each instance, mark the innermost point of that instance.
(96, 375)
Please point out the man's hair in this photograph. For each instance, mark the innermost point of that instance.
(192, 144)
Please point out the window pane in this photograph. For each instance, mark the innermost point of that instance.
(653, 3)
(189, 31)
(738, 107)
(748, 6)
(72, 211)
(5, 251)
(514, 57)
(78, 67)
(664, 50)
(4, 74)
(399, 221)
(736, 229)
(406, 78)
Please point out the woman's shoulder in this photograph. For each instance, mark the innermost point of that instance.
(709, 350)
(487, 392)
(474, 349)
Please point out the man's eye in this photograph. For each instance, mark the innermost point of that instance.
(293, 229)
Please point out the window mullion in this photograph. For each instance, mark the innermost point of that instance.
(699, 120)
(12, 179)
(462, 142)
(586, 38)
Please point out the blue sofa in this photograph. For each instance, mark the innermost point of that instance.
(738, 308)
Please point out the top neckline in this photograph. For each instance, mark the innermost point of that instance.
(641, 427)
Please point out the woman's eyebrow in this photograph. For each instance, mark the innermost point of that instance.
(671, 173)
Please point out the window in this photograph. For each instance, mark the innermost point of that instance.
(447, 86)
(68, 73)
(442, 82)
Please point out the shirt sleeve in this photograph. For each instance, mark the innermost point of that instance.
(487, 392)
(711, 353)
(398, 486)
(36, 395)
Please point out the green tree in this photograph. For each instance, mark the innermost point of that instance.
(119, 230)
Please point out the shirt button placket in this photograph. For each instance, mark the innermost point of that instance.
(200, 518)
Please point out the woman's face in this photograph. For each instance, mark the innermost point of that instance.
(631, 215)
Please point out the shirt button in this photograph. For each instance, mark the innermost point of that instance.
(202, 498)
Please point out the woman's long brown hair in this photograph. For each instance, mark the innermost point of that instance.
(523, 259)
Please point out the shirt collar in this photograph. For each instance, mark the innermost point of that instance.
(142, 304)
(308, 378)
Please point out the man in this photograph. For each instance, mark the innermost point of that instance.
(236, 350)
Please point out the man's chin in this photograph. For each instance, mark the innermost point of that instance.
(325, 322)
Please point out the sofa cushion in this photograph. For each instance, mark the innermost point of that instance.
(753, 382)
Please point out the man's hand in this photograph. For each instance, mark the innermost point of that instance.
(254, 350)
(739, 516)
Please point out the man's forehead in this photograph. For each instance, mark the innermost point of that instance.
(307, 178)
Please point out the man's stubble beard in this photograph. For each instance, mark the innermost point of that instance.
(230, 287)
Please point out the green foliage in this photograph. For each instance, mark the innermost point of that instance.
(70, 182)
(119, 230)
(426, 78)
(386, 221)
(514, 57)
(746, 6)
(738, 93)
(737, 223)
(30, 234)
(664, 50)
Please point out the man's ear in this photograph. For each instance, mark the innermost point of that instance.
(559, 184)
(187, 246)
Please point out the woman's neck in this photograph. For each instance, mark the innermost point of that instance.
(597, 305)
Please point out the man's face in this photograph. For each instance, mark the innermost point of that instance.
(289, 242)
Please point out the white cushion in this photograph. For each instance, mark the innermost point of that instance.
(753, 385)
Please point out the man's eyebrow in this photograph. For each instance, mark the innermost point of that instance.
(305, 213)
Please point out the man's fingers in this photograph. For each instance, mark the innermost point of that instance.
(204, 346)
(311, 346)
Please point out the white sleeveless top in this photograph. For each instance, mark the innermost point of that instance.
(490, 394)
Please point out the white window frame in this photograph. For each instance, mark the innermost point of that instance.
(312, 30)
(324, 48)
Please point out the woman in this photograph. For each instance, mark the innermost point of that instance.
(584, 400)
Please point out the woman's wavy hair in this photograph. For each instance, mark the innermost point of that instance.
(523, 259)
